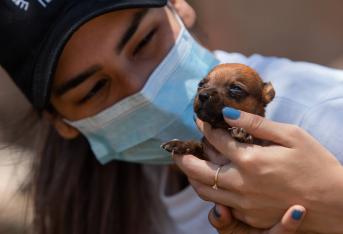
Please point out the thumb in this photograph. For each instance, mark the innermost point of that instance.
(290, 222)
(259, 127)
(220, 218)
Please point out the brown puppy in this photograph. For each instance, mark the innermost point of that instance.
(227, 85)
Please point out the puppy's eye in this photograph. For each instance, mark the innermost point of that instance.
(201, 83)
(236, 92)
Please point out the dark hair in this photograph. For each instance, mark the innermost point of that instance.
(74, 194)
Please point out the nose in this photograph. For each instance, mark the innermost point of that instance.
(203, 96)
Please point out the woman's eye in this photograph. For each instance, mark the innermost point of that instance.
(144, 41)
(97, 87)
(235, 91)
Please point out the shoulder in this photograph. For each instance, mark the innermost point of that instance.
(324, 122)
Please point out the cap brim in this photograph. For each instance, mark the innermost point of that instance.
(63, 30)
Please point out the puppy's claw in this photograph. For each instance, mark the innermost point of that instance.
(179, 147)
(241, 135)
(171, 146)
(165, 145)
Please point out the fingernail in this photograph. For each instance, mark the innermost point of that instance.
(216, 212)
(297, 214)
(231, 113)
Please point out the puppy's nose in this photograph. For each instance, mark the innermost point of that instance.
(204, 96)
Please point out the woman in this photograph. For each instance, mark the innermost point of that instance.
(114, 79)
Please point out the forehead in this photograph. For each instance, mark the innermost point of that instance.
(96, 40)
(108, 26)
(226, 74)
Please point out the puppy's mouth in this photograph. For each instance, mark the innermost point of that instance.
(208, 106)
(213, 117)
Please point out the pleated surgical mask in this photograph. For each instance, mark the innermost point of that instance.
(133, 129)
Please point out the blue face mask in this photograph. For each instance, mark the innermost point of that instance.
(134, 128)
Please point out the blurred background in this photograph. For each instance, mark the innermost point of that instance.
(308, 30)
(297, 29)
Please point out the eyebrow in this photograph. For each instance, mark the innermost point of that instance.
(77, 80)
(135, 22)
(80, 78)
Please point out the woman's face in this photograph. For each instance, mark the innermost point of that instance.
(110, 58)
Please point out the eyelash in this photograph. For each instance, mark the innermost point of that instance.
(237, 92)
(101, 83)
(145, 41)
(97, 87)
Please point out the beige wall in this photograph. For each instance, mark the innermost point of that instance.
(298, 29)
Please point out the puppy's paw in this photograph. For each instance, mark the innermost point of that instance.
(241, 135)
(182, 147)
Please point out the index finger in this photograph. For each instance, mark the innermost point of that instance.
(195, 168)
(223, 142)
(261, 127)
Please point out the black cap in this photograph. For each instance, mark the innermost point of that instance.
(34, 32)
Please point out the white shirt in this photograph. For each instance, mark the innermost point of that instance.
(187, 211)
(307, 95)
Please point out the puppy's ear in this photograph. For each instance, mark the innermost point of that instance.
(268, 93)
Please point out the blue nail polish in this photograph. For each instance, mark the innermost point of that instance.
(297, 214)
(231, 113)
(216, 212)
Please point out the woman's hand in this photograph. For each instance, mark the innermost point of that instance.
(221, 219)
(261, 182)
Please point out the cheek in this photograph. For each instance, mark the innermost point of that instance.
(251, 105)
(132, 84)
(140, 74)
(248, 104)
(139, 70)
